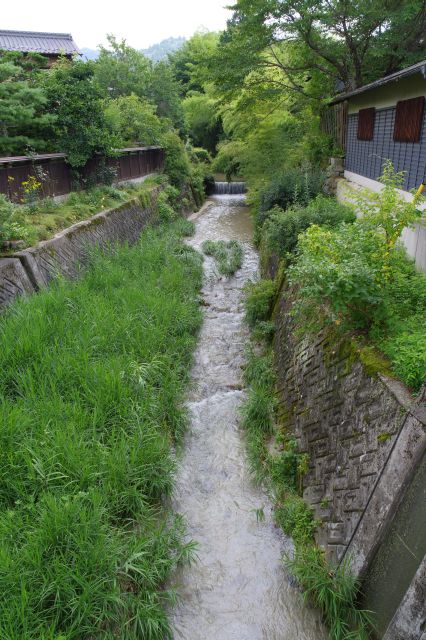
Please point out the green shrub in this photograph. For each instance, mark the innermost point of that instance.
(228, 255)
(282, 227)
(407, 352)
(296, 519)
(295, 186)
(202, 155)
(337, 277)
(259, 300)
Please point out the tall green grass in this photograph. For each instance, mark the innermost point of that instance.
(93, 375)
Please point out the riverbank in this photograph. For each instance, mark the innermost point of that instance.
(93, 373)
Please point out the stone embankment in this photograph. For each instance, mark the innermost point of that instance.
(366, 440)
(27, 271)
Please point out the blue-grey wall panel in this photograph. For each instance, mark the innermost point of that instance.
(366, 157)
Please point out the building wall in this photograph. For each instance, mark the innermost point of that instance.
(366, 157)
(389, 94)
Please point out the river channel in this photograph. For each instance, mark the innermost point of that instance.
(238, 588)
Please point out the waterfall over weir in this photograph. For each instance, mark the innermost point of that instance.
(229, 188)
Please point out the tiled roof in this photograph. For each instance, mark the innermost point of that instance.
(34, 42)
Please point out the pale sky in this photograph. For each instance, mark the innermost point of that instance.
(141, 23)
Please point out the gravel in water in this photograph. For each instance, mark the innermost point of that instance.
(238, 588)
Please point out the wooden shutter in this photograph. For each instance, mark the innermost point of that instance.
(409, 119)
(366, 118)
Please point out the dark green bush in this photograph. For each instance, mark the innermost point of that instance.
(282, 227)
(295, 186)
(259, 300)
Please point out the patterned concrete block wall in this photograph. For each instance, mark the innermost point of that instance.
(345, 420)
(13, 280)
(366, 441)
(66, 253)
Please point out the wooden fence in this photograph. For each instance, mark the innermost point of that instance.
(56, 176)
(334, 122)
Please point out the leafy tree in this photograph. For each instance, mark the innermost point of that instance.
(23, 118)
(203, 120)
(134, 120)
(81, 128)
(190, 62)
(121, 70)
(351, 41)
(164, 92)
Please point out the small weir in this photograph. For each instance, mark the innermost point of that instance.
(229, 188)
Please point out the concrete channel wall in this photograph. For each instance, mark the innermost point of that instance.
(27, 271)
(366, 440)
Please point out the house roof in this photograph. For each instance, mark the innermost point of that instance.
(35, 42)
(420, 67)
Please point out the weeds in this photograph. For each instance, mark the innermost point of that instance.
(228, 255)
(258, 302)
(333, 590)
(93, 373)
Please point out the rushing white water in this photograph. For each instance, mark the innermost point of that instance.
(229, 188)
(238, 588)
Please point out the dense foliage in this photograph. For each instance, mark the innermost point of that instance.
(282, 227)
(81, 129)
(24, 121)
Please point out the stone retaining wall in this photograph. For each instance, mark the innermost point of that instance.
(66, 253)
(365, 437)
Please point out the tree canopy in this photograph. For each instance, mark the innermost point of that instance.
(352, 42)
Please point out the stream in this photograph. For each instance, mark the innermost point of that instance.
(237, 589)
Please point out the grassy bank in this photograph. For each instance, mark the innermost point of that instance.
(93, 375)
(40, 219)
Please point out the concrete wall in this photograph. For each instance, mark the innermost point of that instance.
(366, 438)
(27, 271)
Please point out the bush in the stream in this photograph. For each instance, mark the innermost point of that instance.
(228, 255)
(282, 227)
